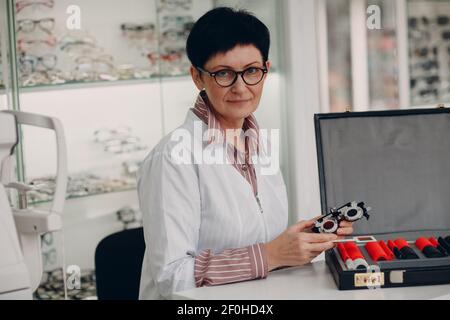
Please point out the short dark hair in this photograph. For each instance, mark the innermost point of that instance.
(221, 29)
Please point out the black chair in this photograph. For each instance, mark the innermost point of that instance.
(118, 262)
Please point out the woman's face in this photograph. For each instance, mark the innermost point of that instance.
(235, 103)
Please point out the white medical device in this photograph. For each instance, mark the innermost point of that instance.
(21, 229)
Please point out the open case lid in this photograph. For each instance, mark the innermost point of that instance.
(397, 162)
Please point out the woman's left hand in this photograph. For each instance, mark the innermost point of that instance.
(345, 228)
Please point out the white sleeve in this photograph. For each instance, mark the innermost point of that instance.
(169, 198)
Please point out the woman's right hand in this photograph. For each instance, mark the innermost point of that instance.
(297, 246)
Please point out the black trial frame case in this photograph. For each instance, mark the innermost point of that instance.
(401, 274)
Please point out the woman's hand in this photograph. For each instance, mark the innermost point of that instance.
(297, 245)
(345, 229)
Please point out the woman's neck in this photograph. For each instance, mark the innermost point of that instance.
(227, 124)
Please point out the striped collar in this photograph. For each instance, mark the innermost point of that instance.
(204, 110)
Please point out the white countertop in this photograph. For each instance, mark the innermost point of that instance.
(310, 282)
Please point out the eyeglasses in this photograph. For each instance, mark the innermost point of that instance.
(93, 68)
(20, 5)
(30, 63)
(119, 140)
(26, 45)
(423, 52)
(42, 77)
(78, 44)
(79, 185)
(441, 20)
(176, 22)
(139, 35)
(28, 25)
(227, 77)
(137, 27)
(172, 5)
(173, 35)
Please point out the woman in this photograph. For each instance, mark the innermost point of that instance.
(211, 223)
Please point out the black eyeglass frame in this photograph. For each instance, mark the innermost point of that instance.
(237, 73)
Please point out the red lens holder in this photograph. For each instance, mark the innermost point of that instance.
(376, 252)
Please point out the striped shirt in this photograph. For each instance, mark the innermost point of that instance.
(241, 160)
(232, 265)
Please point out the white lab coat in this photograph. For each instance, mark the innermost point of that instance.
(188, 208)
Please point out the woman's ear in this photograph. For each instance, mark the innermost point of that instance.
(268, 65)
(196, 77)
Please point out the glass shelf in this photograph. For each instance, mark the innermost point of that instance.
(35, 202)
(85, 84)
(91, 84)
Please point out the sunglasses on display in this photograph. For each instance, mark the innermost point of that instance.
(424, 82)
(427, 65)
(423, 52)
(441, 20)
(20, 5)
(137, 27)
(445, 35)
(28, 25)
(429, 93)
(139, 34)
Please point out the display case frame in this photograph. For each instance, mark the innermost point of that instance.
(361, 97)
